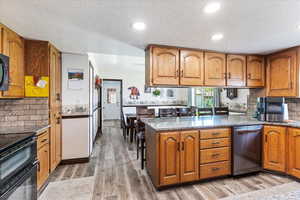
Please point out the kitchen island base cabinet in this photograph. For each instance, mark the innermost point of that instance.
(179, 157)
(274, 148)
(294, 152)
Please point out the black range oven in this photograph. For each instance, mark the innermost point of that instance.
(18, 167)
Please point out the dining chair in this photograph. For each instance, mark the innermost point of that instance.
(205, 111)
(183, 112)
(167, 112)
(221, 111)
(140, 130)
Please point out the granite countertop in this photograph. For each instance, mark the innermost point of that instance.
(186, 123)
(23, 129)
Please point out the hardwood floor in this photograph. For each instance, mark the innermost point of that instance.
(117, 175)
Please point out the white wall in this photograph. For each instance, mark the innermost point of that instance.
(132, 71)
(71, 96)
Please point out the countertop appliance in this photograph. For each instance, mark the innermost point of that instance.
(18, 166)
(271, 109)
(4, 72)
(247, 147)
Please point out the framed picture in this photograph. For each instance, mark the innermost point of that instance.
(75, 79)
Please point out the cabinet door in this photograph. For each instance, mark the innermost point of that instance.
(169, 158)
(189, 156)
(43, 170)
(165, 66)
(255, 71)
(55, 106)
(215, 69)
(191, 68)
(282, 74)
(294, 152)
(274, 148)
(1, 38)
(236, 70)
(13, 46)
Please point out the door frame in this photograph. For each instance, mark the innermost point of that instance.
(121, 94)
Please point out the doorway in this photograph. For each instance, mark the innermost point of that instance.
(112, 99)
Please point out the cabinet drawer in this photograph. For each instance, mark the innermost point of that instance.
(214, 133)
(214, 143)
(43, 139)
(214, 155)
(215, 169)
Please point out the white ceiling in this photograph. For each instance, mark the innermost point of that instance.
(104, 26)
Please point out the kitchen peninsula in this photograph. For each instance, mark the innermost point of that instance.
(189, 149)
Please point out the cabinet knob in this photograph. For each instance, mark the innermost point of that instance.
(249, 76)
(229, 75)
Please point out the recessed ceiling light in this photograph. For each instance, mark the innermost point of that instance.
(217, 37)
(298, 26)
(139, 26)
(212, 7)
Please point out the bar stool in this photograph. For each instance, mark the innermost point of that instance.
(221, 111)
(167, 112)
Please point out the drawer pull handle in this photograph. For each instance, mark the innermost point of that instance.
(215, 155)
(44, 140)
(216, 133)
(215, 169)
(215, 143)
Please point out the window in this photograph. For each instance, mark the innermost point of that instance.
(204, 97)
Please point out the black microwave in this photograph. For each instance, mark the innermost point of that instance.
(4, 72)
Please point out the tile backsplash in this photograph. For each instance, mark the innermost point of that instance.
(24, 112)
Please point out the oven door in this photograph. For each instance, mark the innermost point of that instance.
(4, 73)
(15, 160)
(23, 186)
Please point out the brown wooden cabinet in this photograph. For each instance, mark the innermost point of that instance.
(294, 152)
(282, 74)
(215, 69)
(43, 156)
(12, 45)
(255, 71)
(43, 59)
(179, 157)
(274, 146)
(236, 70)
(189, 156)
(191, 68)
(164, 66)
(169, 158)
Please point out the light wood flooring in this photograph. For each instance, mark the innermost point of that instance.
(118, 175)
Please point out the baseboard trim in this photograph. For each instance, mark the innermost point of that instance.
(75, 161)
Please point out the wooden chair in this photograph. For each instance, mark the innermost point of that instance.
(140, 130)
(167, 112)
(205, 111)
(124, 125)
(183, 112)
(221, 111)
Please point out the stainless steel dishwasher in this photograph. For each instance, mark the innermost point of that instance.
(247, 149)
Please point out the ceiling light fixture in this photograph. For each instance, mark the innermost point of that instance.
(212, 7)
(139, 26)
(298, 26)
(217, 37)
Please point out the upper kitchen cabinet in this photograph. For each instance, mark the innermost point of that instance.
(215, 69)
(191, 67)
(236, 70)
(255, 71)
(12, 45)
(162, 66)
(282, 74)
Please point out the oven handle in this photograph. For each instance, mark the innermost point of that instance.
(16, 150)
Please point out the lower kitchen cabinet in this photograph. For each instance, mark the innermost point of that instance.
(215, 169)
(43, 156)
(274, 148)
(294, 152)
(179, 157)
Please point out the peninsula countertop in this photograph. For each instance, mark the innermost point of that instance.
(188, 123)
